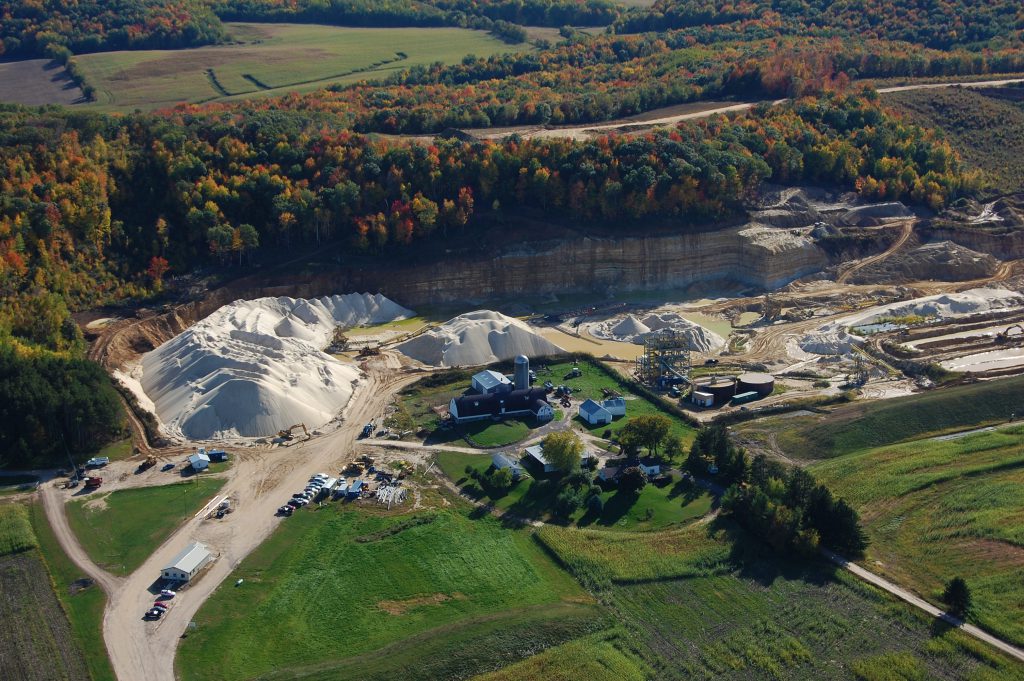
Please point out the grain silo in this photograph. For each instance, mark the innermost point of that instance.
(522, 372)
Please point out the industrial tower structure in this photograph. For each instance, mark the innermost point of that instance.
(666, 359)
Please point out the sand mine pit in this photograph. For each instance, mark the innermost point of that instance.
(254, 367)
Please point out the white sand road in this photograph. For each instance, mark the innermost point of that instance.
(259, 482)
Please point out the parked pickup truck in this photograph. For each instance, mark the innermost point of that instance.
(97, 461)
(93, 483)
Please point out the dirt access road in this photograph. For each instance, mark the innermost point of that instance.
(651, 119)
(259, 482)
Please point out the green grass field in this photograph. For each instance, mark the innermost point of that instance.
(272, 59)
(82, 601)
(862, 425)
(939, 509)
(332, 586)
(16, 533)
(753, 616)
(598, 558)
(121, 529)
(655, 507)
(489, 433)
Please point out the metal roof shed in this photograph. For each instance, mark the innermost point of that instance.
(186, 564)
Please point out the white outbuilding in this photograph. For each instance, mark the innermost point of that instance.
(199, 461)
(188, 563)
(616, 406)
(491, 382)
(594, 414)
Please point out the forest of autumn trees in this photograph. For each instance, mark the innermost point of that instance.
(87, 202)
(29, 27)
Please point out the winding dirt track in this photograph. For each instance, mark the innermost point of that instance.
(260, 481)
(905, 232)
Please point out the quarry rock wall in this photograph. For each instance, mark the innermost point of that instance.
(757, 255)
(601, 266)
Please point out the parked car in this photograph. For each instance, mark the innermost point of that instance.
(167, 466)
(167, 593)
(153, 614)
(298, 495)
(285, 510)
(303, 502)
(294, 503)
(160, 606)
(97, 462)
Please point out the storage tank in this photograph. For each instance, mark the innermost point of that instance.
(762, 384)
(721, 387)
(522, 372)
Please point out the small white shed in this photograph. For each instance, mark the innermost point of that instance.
(199, 461)
(594, 414)
(490, 382)
(702, 399)
(500, 461)
(188, 563)
(616, 406)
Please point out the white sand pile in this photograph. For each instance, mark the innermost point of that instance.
(476, 338)
(832, 342)
(944, 305)
(254, 367)
(631, 329)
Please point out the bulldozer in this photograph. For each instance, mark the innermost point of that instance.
(147, 463)
(287, 433)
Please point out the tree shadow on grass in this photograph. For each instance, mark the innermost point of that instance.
(687, 489)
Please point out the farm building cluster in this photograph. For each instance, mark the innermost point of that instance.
(494, 395)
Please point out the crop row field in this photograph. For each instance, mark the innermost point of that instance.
(272, 59)
(36, 641)
(939, 508)
(745, 614)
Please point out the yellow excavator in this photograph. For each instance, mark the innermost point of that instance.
(287, 433)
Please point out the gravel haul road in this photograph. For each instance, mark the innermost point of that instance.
(260, 481)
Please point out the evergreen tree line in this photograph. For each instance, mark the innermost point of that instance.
(784, 506)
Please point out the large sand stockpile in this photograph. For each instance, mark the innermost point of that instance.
(945, 305)
(631, 329)
(474, 338)
(254, 367)
(833, 339)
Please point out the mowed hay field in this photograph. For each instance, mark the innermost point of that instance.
(36, 81)
(272, 59)
(744, 614)
(437, 594)
(35, 636)
(937, 509)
